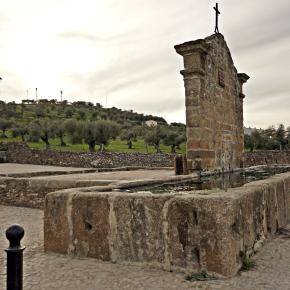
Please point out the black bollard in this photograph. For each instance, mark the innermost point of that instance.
(15, 258)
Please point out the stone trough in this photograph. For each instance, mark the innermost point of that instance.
(27, 185)
(172, 231)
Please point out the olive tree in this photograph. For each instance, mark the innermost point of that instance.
(154, 137)
(20, 130)
(99, 133)
(173, 139)
(44, 128)
(129, 136)
(281, 136)
(59, 130)
(74, 129)
(4, 125)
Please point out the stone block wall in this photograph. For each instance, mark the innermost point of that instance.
(18, 152)
(175, 232)
(27, 192)
(20, 192)
(214, 105)
(264, 157)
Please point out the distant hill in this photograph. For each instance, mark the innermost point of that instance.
(43, 108)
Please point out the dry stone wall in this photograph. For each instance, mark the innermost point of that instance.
(21, 192)
(214, 105)
(265, 157)
(29, 192)
(18, 152)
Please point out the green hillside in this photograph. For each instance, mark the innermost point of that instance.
(83, 126)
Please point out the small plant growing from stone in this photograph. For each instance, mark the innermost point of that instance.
(247, 263)
(200, 276)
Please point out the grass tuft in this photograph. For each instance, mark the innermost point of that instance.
(247, 263)
(201, 276)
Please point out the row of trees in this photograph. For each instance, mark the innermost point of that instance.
(269, 139)
(94, 133)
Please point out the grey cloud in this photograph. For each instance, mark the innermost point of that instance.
(155, 102)
(262, 27)
(79, 35)
(144, 72)
(125, 72)
(11, 85)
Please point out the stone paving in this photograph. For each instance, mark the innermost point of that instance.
(15, 168)
(113, 175)
(56, 173)
(52, 271)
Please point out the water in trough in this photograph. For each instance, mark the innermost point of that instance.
(209, 182)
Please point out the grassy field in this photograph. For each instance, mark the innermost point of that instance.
(114, 146)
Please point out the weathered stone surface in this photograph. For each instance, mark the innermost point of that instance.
(90, 226)
(137, 222)
(177, 232)
(199, 234)
(20, 192)
(57, 225)
(214, 104)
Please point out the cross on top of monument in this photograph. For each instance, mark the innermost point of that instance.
(217, 13)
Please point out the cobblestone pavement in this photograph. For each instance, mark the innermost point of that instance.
(51, 271)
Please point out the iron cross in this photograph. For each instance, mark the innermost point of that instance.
(217, 13)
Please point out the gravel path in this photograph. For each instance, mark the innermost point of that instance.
(51, 271)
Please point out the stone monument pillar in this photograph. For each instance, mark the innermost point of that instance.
(214, 105)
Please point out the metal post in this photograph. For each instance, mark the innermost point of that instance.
(15, 258)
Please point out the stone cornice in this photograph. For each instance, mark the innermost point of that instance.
(243, 78)
(192, 46)
(242, 96)
(192, 71)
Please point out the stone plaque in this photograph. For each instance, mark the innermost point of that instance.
(221, 77)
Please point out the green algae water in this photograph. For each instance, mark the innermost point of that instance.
(209, 182)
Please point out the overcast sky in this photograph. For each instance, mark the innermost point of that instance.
(123, 52)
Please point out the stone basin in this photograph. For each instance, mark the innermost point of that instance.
(208, 182)
(172, 231)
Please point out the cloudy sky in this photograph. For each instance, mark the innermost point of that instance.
(120, 53)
